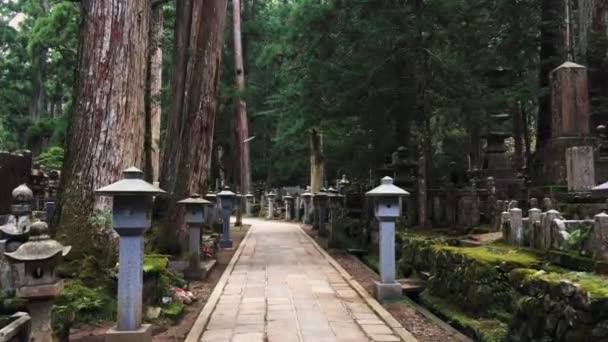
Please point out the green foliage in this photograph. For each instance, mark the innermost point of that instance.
(155, 263)
(577, 238)
(40, 51)
(373, 75)
(80, 304)
(52, 158)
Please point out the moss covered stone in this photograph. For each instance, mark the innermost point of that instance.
(482, 329)
(494, 287)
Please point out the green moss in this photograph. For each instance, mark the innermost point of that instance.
(155, 263)
(173, 310)
(495, 254)
(482, 329)
(595, 285)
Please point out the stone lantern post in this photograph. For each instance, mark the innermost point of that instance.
(320, 202)
(195, 217)
(249, 204)
(131, 217)
(343, 184)
(271, 196)
(34, 264)
(335, 202)
(289, 201)
(387, 210)
(307, 198)
(211, 216)
(226, 198)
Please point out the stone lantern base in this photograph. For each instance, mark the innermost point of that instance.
(385, 292)
(143, 334)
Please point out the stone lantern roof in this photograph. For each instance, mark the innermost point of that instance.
(307, 193)
(387, 188)
(195, 199)
(39, 247)
(132, 183)
(226, 193)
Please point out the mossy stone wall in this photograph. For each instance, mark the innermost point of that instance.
(509, 285)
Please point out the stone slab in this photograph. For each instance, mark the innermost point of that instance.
(143, 334)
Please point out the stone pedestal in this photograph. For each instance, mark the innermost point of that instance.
(580, 168)
(569, 125)
(226, 241)
(40, 312)
(517, 227)
(130, 282)
(249, 205)
(194, 270)
(599, 236)
(288, 207)
(143, 334)
(387, 288)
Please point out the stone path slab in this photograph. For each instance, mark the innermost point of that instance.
(282, 289)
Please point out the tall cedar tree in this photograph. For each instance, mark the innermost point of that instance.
(194, 89)
(106, 128)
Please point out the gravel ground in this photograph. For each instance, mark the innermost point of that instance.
(420, 326)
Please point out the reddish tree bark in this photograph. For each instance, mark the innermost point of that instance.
(194, 93)
(106, 128)
(242, 126)
(153, 101)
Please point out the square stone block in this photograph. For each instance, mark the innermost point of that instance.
(384, 292)
(143, 334)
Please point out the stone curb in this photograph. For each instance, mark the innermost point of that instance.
(431, 316)
(371, 302)
(196, 332)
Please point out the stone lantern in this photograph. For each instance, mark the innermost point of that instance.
(320, 204)
(289, 203)
(212, 213)
(227, 202)
(335, 200)
(387, 209)
(14, 232)
(271, 196)
(307, 198)
(195, 217)
(249, 204)
(343, 184)
(131, 217)
(34, 264)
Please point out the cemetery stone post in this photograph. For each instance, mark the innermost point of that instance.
(288, 207)
(387, 210)
(226, 198)
(249, 204)
(307, 198)
(271, 197)
(131, 217)
(195, 217)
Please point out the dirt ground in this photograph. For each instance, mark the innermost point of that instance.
(420, 326)
(178, 332)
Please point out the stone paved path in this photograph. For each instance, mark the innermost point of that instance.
(283, 289)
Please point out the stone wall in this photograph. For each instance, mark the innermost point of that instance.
(509, 286)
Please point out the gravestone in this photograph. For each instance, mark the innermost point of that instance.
(580, 168)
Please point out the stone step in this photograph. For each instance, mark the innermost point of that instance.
(357, 252)
(412, 285)
(469, 243)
